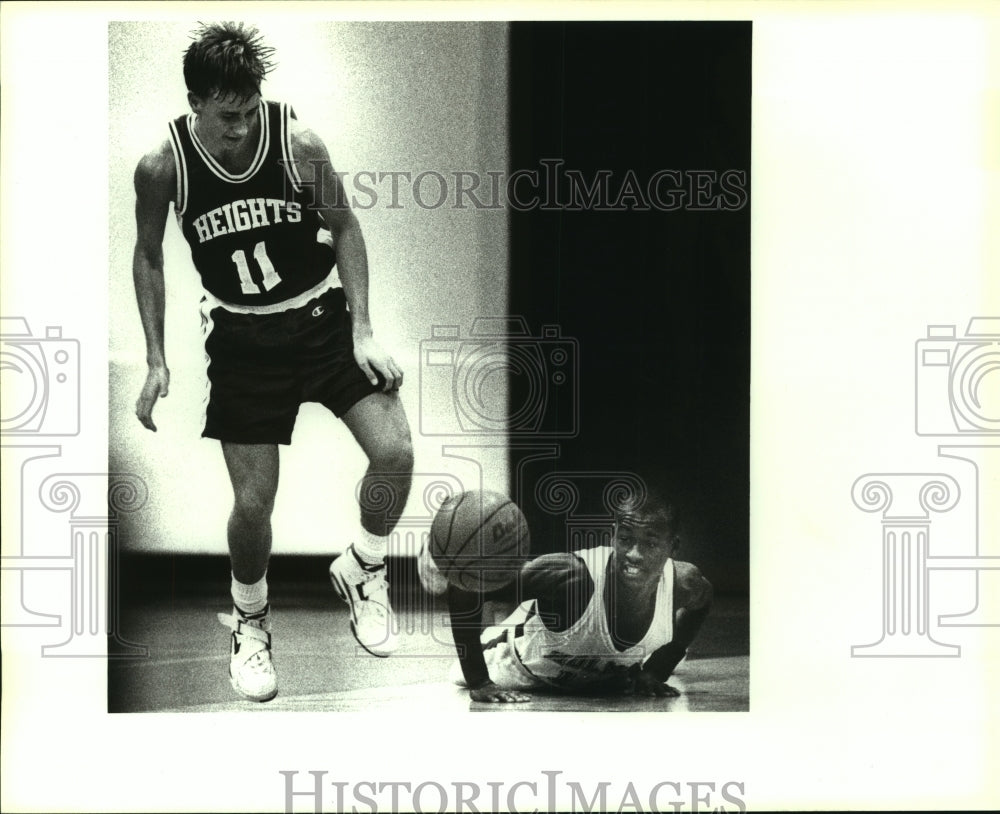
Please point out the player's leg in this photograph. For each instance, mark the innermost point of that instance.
(253, 402)
(253, 473)
(378, 423)
(331, 376)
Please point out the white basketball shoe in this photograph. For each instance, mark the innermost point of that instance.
(251, 670)
(365, 590)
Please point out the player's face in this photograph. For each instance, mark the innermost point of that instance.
(642, 546)
(225, 123)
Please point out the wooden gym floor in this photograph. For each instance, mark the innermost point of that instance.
(321, 668)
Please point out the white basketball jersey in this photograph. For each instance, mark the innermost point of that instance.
(585, 653)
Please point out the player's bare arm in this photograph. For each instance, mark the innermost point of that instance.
(155, 182)
(546, 578)
(693, 596)
(326, 195)
(466, 610)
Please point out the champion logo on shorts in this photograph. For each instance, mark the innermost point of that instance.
(318, 310)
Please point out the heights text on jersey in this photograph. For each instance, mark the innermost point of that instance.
(252, 239)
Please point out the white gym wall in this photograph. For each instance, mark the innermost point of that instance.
(386, 98)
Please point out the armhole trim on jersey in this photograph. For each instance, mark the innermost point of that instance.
(286, 148)
(180, 204)
(668, 586)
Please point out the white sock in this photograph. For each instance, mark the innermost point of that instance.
(371, 549)
(249, 598)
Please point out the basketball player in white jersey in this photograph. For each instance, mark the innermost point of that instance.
(266, 217)
(611, 619)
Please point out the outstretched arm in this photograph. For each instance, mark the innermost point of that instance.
(465, 609)
(325, 194)
(155, 182)
(692, 600)
(550, 579)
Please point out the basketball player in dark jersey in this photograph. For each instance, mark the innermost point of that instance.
(610, 619)
(266, 218)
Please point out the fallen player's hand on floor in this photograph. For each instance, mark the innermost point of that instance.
(490, 693)
(644, 684)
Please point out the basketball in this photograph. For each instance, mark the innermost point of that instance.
(479, 540)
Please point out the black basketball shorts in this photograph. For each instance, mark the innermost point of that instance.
(262, 367)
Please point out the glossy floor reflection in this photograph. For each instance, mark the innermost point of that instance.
(321, 668)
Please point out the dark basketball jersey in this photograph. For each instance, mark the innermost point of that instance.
(253, 241)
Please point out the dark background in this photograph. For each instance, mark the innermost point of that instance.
(658, 301)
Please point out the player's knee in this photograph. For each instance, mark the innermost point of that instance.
(253, 505)
(394, 455)
(404, 455)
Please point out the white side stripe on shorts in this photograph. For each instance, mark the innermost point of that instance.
(207, 324)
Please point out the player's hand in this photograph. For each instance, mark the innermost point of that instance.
(156, 387)
(648, 686)
(371, 358)
(490, 693)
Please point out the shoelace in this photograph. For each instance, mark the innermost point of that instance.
(374, 583)
(258, 664)
(374, 607)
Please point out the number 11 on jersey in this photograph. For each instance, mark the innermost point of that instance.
(271, 278)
